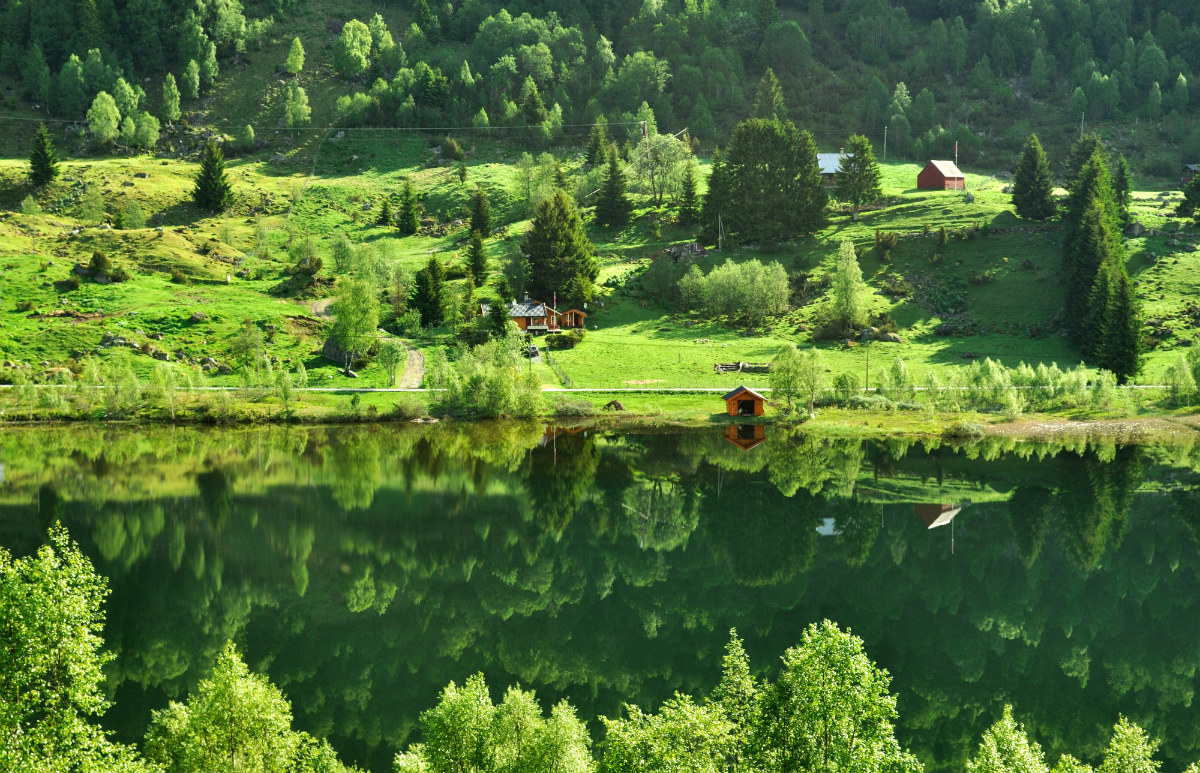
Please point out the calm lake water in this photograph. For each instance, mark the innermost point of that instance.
(364, 568)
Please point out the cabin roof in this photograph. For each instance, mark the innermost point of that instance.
(743, 390)
(947, 168)
(830, 162)
(527, 308)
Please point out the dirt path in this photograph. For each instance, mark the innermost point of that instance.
(321, 308)
(1130, 429)
(414, 369)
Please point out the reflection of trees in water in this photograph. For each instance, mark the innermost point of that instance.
(614, 574)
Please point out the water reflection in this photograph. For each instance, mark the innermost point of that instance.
(363, 568)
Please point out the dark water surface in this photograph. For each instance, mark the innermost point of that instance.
(364, 568)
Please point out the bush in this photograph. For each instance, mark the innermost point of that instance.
(178, 277)
(99, 264)
(564, 340)
(872, 402)
(846, 388)
(963, 430)
(575, 408)
(451, 149)
(409, 408)
(118, 275)
(72, 282)
(24, 305)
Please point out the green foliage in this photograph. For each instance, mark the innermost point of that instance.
(427, 293)
(659, 160)
(132, 216)
(392, 354)
(295, 57)
(43, 160)
(847, 290)
(104, 120)
(683, 736)
(1033, 185)
(1006, 749)
(170, 99)
(488, 381)
(747, 291)
(768, 102)
(689, 201)
(1129, 750)
(191, 80)
(597, 144)
(477, 263)
(481, 215)
(829, 710)
(352, 49)
(407, 217)
(774, 183)
(51, 663)
(297, 113)
(613, 205)
(798, 375)
(213, 191)
(356, 313)
(858, 174)
(1188, 206)
(559, 253)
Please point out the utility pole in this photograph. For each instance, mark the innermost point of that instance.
(885, 128)
(1081, 125)
(720, 231)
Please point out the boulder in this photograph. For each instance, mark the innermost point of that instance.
(614, 405)
(969, 198)
(332, 352)
(224, 370)
(1135, 229)
(890, 338)
(197, 317)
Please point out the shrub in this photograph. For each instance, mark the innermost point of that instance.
(118, 275)
(942, 237)
(963, 430)
(575, 408)
(178, 277)
(872, 402)
(564, 340)
(846, 387)
(24, 305)
(99, 264)
(72, 282)
(451, 149)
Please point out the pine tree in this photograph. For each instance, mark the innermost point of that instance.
(597, 144)
(1033, 186)
(559, 253)
(191, 80)
(481, 213)
(613, 206)
(1191, 199)
(407, 219)
(498, 319)
(768, 102)
(1123, 346)
(1093, 239)
(1081, 150)
(531, 104)
(170, 90)
(295, 57)
(213, 191)
(477, 263)
(43, 160)
(716, 200)
(689, 202)
(1122, 188)
(427, 293)
(385, 214)
(858, 175)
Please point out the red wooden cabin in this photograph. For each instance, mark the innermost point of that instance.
(941, 176)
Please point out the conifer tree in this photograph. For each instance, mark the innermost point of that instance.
(531, 104)
(768, 102)
(1081, 150)
(498, 319)
(716, 200)
(1033, 187)
(774, 182)
(191, 80)
(385, 213)
(427, 293)
(213, 191)
(613, 206)
(1122, 188)
(407, 219)
(171, 110)
(559, 252)
(597, 144)
(481, 214)
(43, 160)
(689, 202)
(1093, 240)
(560, 179)
(858, 175)
(1123, 345)
(1191, 199)
(477, 263)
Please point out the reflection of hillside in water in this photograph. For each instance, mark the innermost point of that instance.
(364, 568)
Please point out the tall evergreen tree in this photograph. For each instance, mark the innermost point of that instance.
(597, 144)
(1081, 150)
(477, 262)
(213, 191)
(1123, 344)
(858, 174)
(768, 102)
(170, 90)
(613, 206)
(1122, 188)
(43, 160)
(531, 104)
(427, 293)
(716, 201)
(1033, 186)
(1190, 203)
(295, 57)
(559, 253)
(481, 214)
(689, 202)
(385, 213)
(407, 219)
(775, 188)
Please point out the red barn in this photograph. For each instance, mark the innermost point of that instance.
(744, 401)
(941, 176)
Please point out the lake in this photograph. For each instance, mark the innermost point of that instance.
(364, 568)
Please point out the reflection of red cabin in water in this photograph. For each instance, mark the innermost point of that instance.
(744, 401)
(537, 317)
(554, 432)
(746, 436)
(935, 515)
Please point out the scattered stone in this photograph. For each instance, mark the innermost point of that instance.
(224, 369)
(969, 355)
(969, 198)
(141, 175)
(159, 354)
(198, 317)
(1135, 229)
(1006, 189)
(891, 338)
(156, 336)
(127, 183)
(614, 405)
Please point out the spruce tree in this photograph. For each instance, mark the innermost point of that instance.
(477, 263)
(295, 57)
(481, 213)
(1122, 189)
(1093, 239)
(716, 201)
(531, 104)
(597, 144)
(774, 183)
(427, 293)
(385, 214)
(560, 179)
(858, 175)
(407, 219)
(689, 202)
(43, 160)
(1123, 345)
(613, 206)
(1033, 186)
(1191, 198)
(768, 102)
(498, 319)
(1081, 150)
(213, 191)
(560, 254)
